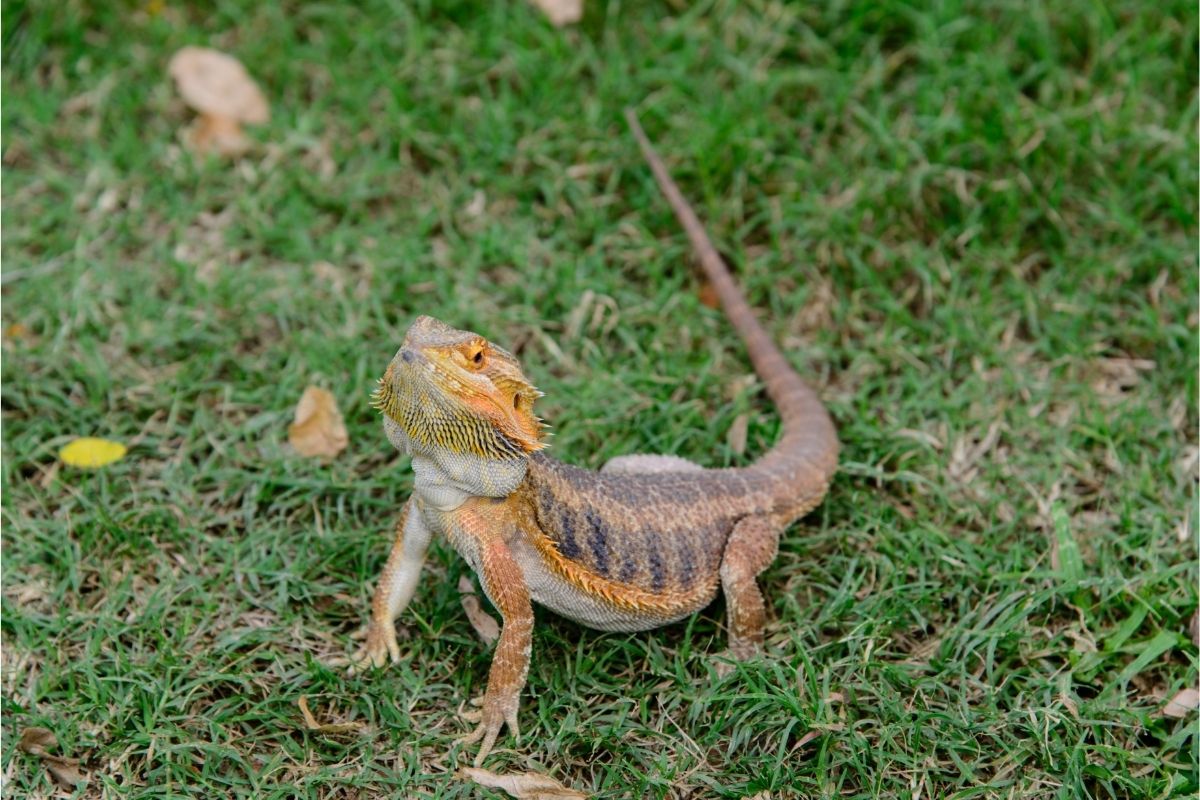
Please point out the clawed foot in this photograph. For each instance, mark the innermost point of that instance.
(496, 712)
(737, 651)
(380, 647)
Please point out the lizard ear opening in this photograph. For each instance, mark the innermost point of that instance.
(521, 425)
(527, 430)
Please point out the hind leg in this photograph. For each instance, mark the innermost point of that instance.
(751, 548)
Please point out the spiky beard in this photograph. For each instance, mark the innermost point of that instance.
(435, 421)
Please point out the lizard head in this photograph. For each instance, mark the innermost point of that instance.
(452, 391)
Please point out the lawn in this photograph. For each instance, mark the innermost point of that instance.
(972, 225)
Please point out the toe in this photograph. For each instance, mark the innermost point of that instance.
(489, 740)
(511, 719)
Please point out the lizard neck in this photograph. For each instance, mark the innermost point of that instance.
(445, 479)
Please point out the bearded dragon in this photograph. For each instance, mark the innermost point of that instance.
(644, 542)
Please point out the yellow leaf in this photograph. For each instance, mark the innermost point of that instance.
(318, 429)
(90, 453)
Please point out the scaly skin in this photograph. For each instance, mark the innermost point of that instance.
(646, 541)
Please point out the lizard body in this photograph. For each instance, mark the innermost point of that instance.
(646, 541)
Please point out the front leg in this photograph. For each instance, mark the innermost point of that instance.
(395, 589)
(504, 583)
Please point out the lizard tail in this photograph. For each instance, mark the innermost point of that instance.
(809, 437)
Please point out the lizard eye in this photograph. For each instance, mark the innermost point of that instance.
(477, 359)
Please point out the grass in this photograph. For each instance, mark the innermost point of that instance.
(972, 224)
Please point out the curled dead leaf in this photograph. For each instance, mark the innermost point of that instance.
(485, 625)
(561, 12)
(65, 771)
(1183, 703)
(36, 741)
(523, 786)
(310, 722)
(318, 428)
(219, 88)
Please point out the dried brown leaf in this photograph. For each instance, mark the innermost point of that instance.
(218, 86)
(1194, 627)
(736, 438)
(485, 625)
(523, 786)
(65, 771)
(216, 83)
(220, 135)
(708, 295)
(17, 330)
(36, 741)
(310, 722)
(318, 429)
(561, 12)
(1182, 704)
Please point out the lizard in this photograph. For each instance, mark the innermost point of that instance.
(646, 541)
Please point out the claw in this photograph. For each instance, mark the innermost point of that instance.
(381, 646)
(735, 653)
(496, 714)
